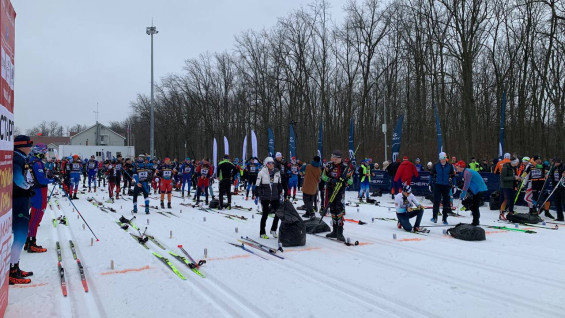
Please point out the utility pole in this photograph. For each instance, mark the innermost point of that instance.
(151, 31)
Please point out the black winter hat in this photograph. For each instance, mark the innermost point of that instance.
(317, 158)
(22, 141)
(336, 154)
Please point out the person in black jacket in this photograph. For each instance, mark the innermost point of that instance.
(269, 190)
(283, 166)
(559, 197)
(226, 172)
(22, 192)
(391, 170)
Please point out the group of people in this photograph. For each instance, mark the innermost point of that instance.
(270, 182)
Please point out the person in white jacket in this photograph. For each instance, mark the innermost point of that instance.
(269, 191)
(408, 207)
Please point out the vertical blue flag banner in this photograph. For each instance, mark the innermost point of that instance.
(292, 142)
(244, 152)
(351, 142)
(271, 142)
(396, 136)
(320, 142)
(502, 120)
(226, 146)
(438, 128)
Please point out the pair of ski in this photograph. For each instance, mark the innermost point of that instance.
(347, 240)
(256, 245)
(245, 243)
(193, 265)
(554, 227)
(226, 215)
(62, 270)
(60, 220)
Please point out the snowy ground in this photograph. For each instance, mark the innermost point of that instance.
(511, 274)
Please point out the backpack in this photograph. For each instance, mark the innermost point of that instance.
(523, 218)
(467, 232)
(214, 204)
(292, 231)
(494, 200)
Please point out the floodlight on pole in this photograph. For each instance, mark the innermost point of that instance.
(151, 31)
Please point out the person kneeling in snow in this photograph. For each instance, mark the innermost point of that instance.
(408, 207)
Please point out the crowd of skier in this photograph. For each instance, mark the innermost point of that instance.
(271, 181)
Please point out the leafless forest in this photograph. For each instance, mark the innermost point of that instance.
(385, 59)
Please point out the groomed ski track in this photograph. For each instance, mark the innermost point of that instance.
(511, 274)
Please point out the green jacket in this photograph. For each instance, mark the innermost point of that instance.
(475, 166)
(365, 172)
(507, 175)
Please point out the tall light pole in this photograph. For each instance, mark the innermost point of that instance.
(151, 31)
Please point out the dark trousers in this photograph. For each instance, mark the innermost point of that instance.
(336, 207)
(268, 207)
(20, 225)
(309, 201)
(322, 191)
(225, 188)
(441, 194)
(127, 185)
(404, 219)
(559, 200)
(475, 208)
(508, 201)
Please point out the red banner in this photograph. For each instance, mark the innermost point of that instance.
(7, 47)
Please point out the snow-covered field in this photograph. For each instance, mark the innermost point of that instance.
(511, 274)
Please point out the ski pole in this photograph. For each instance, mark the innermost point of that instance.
(560, 183)
(71, 201)
(49, 197)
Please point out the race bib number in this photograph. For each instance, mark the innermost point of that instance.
(119, 167)
(91, 165)
(187, 170)
(167, 173)
(294, 170)
(76, 166)
(536, 174)
(143, 175)
(556, 176)
(204, 171)
(252, 168)
(29, 177)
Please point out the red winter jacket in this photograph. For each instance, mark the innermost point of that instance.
(406, 171)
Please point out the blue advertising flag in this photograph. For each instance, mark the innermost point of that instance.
(320, 142)
(438, 128)
(502, 120)
(396, 136)
(292, 142)
(351, 140)
(271, 142)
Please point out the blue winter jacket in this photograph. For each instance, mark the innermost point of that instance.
(474, 182)
(442, 174)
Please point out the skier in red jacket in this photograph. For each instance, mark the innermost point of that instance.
(406, 171)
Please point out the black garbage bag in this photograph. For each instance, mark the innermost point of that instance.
(314, 226)
(523, 218)
(494, 200)
(292, 231)
(467, 232)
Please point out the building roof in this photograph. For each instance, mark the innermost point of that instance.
(51, 140)
(87, 129)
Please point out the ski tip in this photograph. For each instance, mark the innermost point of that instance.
(179, 246)
(97, 240)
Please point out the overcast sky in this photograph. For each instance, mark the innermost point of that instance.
(71, 54)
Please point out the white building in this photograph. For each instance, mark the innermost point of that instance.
(97, 140)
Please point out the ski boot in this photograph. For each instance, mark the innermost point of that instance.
(75, 197)
(502, 217)
(293, 198)
(361, 200)
(117, 196)
(89, 190)
(308, 215)
(27, 243)
(398, 225)
(340, 236)
(18, 276)
(333, 234)
(274, 234)
(147, 210)
(94, 189)
(433, 220)
(134, 209)
(162, 204)
(33, 248)
(444, 222)
(264, 236)
(169, 204)
(547, 214)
